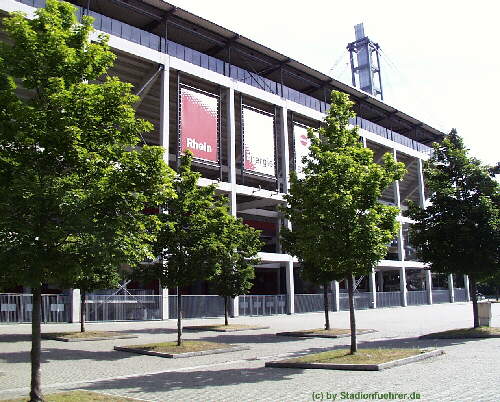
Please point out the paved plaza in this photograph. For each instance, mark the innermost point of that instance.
(469, 371)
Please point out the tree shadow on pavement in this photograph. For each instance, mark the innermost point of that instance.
(11, 338)
(152, 331)
(198, 379)
(249, 338)
(53, 354)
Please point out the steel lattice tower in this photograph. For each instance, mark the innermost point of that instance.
(367, 66)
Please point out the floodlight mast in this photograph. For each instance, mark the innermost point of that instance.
(367, 63)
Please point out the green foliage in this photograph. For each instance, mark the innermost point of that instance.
(339, 226)
(236, 255)
(459, 231)
(188, 241)
(73, 189)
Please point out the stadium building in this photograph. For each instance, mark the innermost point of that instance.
(243, 110)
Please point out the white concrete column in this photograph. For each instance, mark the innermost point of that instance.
(290, 287)
(235, 306)
(164, 112)
(421, 186)
(402, 285)
(397, 195)
(285, 149)
(231, 147)
(75, 305)
(451, 288)
(397, 201)
(231, 169)
(467, 288)
(428, 285)
(373, 288)
(401, 244)
(164, 304)
(336, 295)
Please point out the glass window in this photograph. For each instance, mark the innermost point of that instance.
(204, 60)
(126, 31)
(196, 57)
(97, 19)
(135, 35)
(154, 42)
(106, 24)
(116, 28)
(188, 55)
(179, 52)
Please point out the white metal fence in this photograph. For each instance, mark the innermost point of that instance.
(123, 307)
(308, 303)
(440, 296)
(417, 297)
(388, 299)
(15, 308)
(197, 306)
(362, 300)
(460, 295)
(262, 304)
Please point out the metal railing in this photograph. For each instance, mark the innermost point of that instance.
(309, 303)
(362, 301)
(460, 294)
(123, 307)
(440, 296)
(388, 299)
(197, 306)
(417, 297)
(17, 308)
(262, 304)
(152, 41)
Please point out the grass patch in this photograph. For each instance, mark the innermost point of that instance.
(322, 331)
(464, 333)
(77, 396)
(187, 346)
(363, 356)
(330, 333)
(222, 327)
(83, 335)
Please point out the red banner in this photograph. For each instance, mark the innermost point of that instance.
(198, 128)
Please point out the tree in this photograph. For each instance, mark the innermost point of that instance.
(318, 276)
(235, 258)
(188, 241)
(339, 228)
(459, 231)
(96, 277)
(73, 187)
(491, 285)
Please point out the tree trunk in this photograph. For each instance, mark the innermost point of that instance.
(497, 291)
(226, 322)
(473, 295)
(36, 335)
(179, 317)
(354, 342)
(83, 307)
(326, 305)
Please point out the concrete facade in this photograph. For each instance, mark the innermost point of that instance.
(160, 74)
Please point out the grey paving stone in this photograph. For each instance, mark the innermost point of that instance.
(467, 372)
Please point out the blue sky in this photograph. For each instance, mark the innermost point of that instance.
(440, 59)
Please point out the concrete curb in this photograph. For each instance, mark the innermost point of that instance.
(204, 328)
(181, 355)
(300, 334)
(357, 367)
(97, 338)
